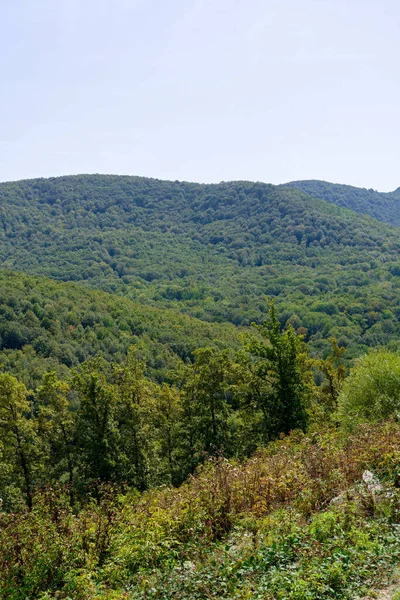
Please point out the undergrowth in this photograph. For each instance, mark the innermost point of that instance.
(294, 522)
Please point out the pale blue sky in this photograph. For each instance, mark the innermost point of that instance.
(202, 90)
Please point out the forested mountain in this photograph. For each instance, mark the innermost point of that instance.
(382, 206)
(47, 325)
(213, 251)
(154, 446)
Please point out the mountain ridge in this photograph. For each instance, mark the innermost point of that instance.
(213, 251)
(383, 206)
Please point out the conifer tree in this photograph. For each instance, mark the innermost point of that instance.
(277, 358)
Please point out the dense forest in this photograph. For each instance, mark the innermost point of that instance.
(107, 421)
(199, 390)
(382, 206)
(212, 251)
(243, 477)
(47, 325)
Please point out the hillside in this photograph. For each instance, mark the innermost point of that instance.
(295, 522)
(147, 450)
(382, 206)
(47, 325)
(212, 251)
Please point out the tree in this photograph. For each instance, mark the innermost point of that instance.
(57, 426)
(97, 431)
(136, 414)
(278, 362)
(18, 435)
(334, 371)
(168, 422)
(206, 405)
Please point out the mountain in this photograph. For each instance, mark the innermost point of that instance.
(94, 437)
(212, 251)
(48, 325)
(382, 206)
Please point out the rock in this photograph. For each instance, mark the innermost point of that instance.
(373, 484)
(369, 481)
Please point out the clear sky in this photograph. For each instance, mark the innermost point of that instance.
(202, 90)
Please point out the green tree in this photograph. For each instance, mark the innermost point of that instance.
(18, 435)
(168, 421)
(334, 371)
(257, 423)
(97, 430)
(136, 415)
(57, 427)
(278, 360)
(206, 399)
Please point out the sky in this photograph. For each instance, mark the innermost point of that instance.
(202, 90)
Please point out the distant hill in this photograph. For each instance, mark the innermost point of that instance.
(49, 325)
(382, 206)
(214, 252)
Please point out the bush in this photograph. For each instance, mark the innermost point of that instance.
(372, 390)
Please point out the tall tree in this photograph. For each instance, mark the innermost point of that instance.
(57, 426)
(168, 421)
(18, 435)
(97, 431)
(136, 414)
(206, 395)
(278, 360)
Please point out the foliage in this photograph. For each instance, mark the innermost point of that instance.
(280, 364)
(334, 371)
(57, 326)
(18, 439)
(381, 206)
(372, 390)
(110, 423)
(293, 522)
(213, 251)
(145, 453)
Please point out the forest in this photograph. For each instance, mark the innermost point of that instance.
(199, 390)
(214, 252)
(382, 206)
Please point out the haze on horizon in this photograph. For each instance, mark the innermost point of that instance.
(202, 90)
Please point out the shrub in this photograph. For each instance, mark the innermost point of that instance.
(372, 390)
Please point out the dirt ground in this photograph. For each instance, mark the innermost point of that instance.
(390, 591)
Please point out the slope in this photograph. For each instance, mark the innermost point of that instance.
(47, 325)
(382, 206)
(294, 522)
(213, 251)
